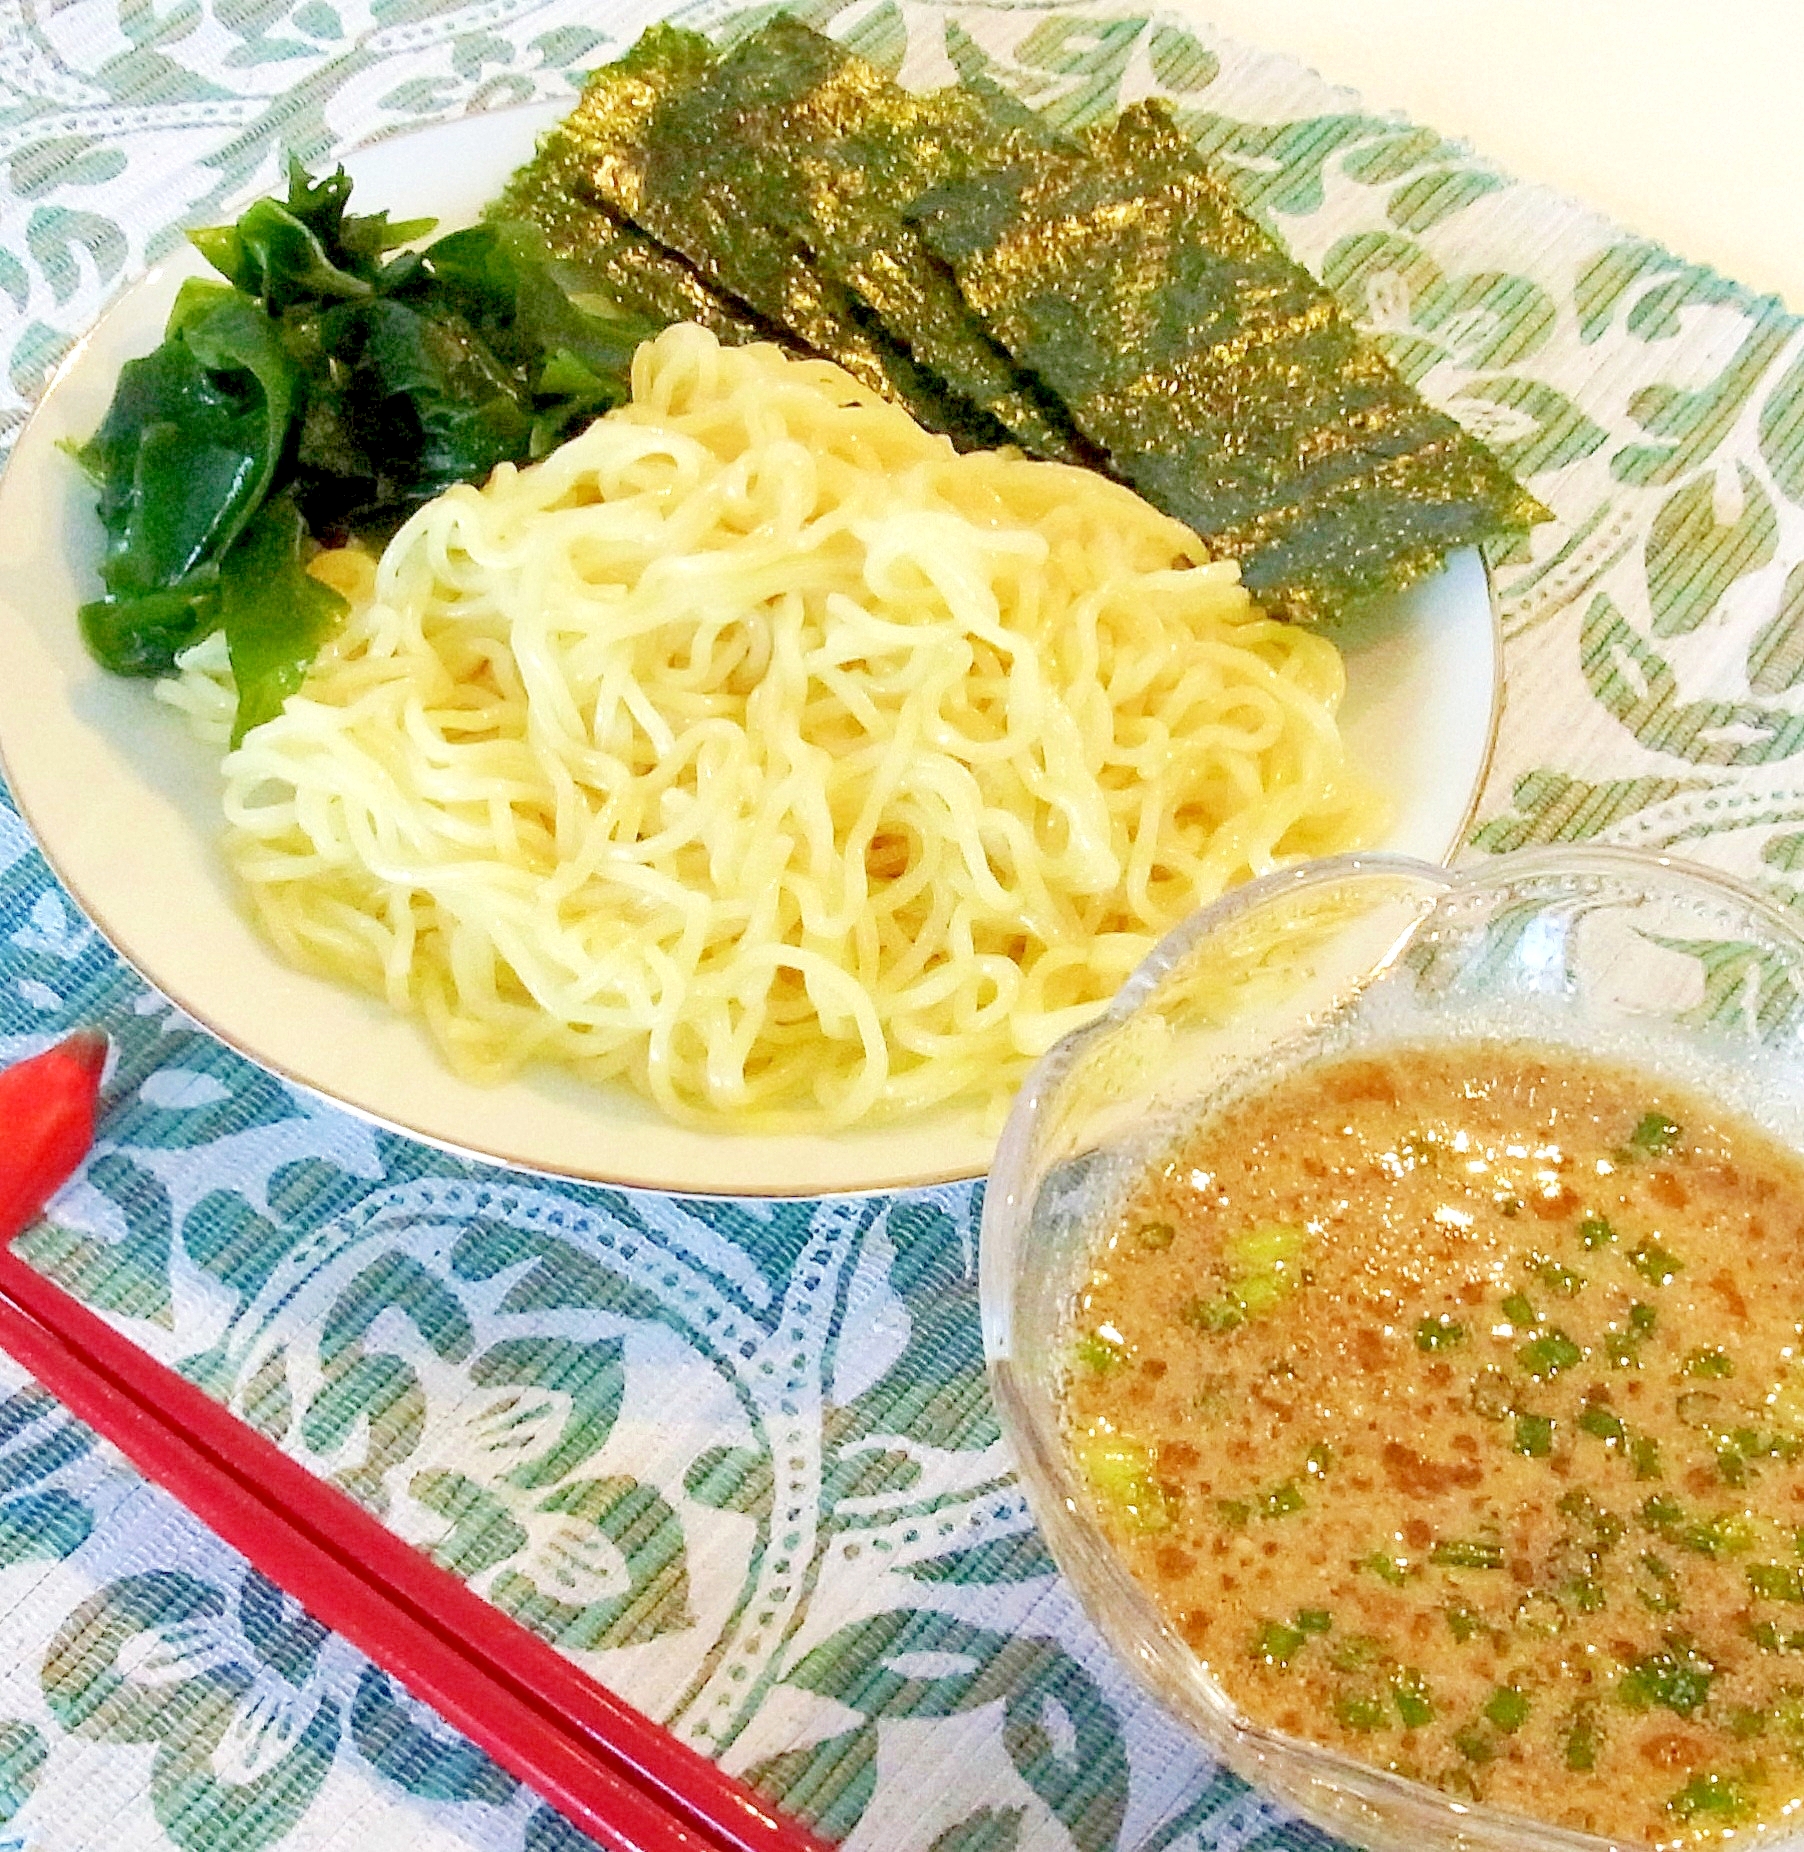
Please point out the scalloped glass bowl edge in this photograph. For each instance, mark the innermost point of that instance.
(1570, 946)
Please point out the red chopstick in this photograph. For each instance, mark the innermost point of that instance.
(605, 1766)
(46, 1123)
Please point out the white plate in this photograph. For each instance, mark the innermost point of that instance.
(125, 801)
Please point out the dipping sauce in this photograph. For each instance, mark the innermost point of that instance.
(1451, 1404)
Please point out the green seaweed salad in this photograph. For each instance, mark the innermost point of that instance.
(331, 384)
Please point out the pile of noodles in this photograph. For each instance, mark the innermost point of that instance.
(758, 750)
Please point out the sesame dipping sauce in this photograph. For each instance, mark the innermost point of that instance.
(1450, 1403)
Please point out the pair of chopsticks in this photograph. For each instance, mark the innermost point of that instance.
(604, 1766)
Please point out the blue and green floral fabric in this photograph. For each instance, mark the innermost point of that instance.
(738, 1458)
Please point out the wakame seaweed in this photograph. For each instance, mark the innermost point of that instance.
(652, 139)
(330, 384)
(818, 141)
(1223, 382)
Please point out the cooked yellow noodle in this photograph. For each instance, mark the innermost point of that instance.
(758, 750)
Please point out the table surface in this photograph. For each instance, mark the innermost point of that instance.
(740, 1458)
(1678, 118)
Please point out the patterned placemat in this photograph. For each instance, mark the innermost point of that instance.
(739, 1458)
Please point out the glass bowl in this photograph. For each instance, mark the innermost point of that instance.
(1674, 969)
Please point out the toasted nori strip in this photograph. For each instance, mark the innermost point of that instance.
(597, 154)
(618, 260)
(1225, 384)
(819, 141)
(670, 171)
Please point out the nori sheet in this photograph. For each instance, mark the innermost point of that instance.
(807, 135)
(606, 254)
(1225, 384)
(648, 141)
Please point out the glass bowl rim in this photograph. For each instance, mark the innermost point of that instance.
(1129, 1623)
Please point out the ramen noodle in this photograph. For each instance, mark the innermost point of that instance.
(758, 750)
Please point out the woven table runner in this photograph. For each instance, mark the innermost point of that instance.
(739, 1458)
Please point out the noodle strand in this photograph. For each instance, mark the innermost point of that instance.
(758, 750)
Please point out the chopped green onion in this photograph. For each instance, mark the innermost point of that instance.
(1602, 1423)
(1440, 1333)
(1549, 1354)
(1519, 1311)
(1605, 1525)
(1267, 1266)
(1581, 1742)
(1395, 1570)
(1095, 1352)
(1534, 1436)
(1655, 1135)
(1560, 1279)
(1657, 1265)
(1662, 1515)
(1475, 1743)
(1714, 1797)
(1120, 1473)
(1358, 1652)
(1218, 1314)
(1727, 1535)
(1360, 1710)
(1677, 1678)
(1462, 1623)
(1269, 1245)
(1776, 1582)
(1467, 1554)
(1415, 1706)
(1656, 1592)
(1276, 1644)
